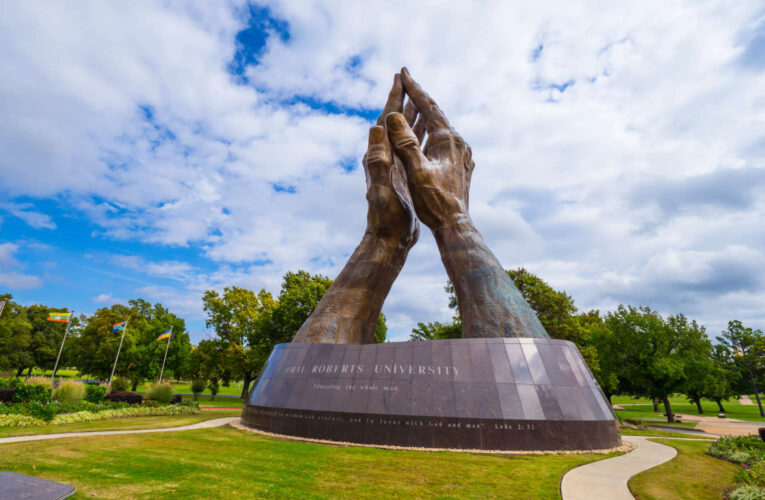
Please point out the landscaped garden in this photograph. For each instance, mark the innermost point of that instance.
(36, 402)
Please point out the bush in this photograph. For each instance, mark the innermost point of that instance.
(95, 393)
(120, 384)
(26, 393)
(197, 387)
(6, 394)
(177, 399)
(161, 393)
(747, 492)
(124, 397)
(69, 391)
(18, 420)
(752, 473)
(38, 380)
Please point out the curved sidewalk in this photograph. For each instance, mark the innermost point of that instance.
(216, 422)
(608, 478)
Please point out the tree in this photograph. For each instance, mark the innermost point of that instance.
(300, 293)
(748, 356)
(654, 353)
(15, 337)
(243, 323)
(381, 330)
(95, 348)
(208, 362)
(435, 330)
(603, 351)
(723, 376)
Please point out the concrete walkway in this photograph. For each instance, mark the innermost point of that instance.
(216, 422)
(745, 400)
(608, 478)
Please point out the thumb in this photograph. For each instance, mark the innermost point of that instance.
(404, 142)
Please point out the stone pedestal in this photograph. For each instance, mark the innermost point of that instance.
(483, 393)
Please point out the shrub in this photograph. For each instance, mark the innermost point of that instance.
(6, 394)
(747, 492)
(26, 393)
(161, 393)
(38, 380)
(177, 399)
(752, 473)
(69, 390)
(17, 420)
(95, 393)
(120, 384)
(197, 387)
(124, 397)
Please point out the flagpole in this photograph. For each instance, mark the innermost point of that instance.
(68, 323)
(167, 348)
(124, 330)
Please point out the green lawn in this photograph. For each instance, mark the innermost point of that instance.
(205, 400)
(658, 433)
(733, 410)
(235, 389)
(120, 424)
(229, 463)
(691, 474)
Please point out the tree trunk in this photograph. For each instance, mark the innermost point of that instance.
(135, 385)
(756, 392)
(698, 406)
(719, 405)
(196, 397)
(246, 385)
(29, 372)
(20, 371)
(668, 409)
(655, 405)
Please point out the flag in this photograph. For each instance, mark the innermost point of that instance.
(59, 316)
(2, 305)
(165, 335)
(116, 327)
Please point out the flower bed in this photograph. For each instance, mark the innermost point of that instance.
(96, 412)
(749, 452)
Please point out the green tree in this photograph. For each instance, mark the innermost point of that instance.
(15, 337)
(654, 353)
(141, 355)
(435, 330)
(243, 322)
(747, 347)
(381, 331)
(208, 362)
(604, 352)
(300, 293)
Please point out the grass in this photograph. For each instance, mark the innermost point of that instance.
(120, 424)
(235, 389)
(207, 401)
(741, 412)
(658, 433)
(229, 463)
(691, 474)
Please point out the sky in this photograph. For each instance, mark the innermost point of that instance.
(161, 149)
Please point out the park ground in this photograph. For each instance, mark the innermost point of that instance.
(226, 462)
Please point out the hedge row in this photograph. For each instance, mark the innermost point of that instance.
(15, 420)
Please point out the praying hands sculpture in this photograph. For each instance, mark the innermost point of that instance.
(407, 181)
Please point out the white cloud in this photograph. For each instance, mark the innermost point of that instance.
(11, 276)
(611, 141)
(23, 211)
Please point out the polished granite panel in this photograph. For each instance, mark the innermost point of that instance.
(441, 393)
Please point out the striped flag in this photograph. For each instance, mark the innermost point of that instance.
(117, 327)
(61, 317)
(2, 305)
(165, 335)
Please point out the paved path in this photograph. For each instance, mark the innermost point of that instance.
(216, 422)
(745, 400)
(608, 478)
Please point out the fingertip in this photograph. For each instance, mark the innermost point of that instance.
(395, 122)
(376, 135)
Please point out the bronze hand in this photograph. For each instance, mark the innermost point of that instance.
(438, 176)
(348, 312)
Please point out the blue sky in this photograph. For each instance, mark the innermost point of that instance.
(159, 150)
